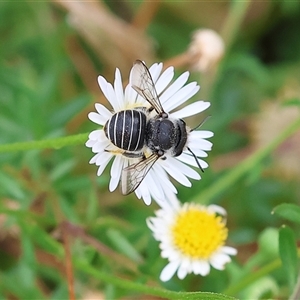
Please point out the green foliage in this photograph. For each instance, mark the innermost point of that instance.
(288, 211)
(46, 181)
(288, 254)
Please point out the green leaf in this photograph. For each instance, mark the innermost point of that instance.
(62, 169)
(20, 282)
(288, 253)
(28, 254)
(292, 102)
(123, 245)
(263, 288)
(10, 187)
(288, 211)
(42, 239)
(68, 110)
(268, 245)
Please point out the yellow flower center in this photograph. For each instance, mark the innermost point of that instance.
(198, 233)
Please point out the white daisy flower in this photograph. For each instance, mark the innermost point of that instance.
(152, 181)
(192, 237)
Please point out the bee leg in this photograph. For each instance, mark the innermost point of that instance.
(133, 154)
(126, 153)
(115, 152)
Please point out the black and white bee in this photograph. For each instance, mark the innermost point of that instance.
(142, 130)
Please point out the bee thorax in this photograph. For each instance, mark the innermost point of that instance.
(166, 135)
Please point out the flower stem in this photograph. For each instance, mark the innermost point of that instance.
(253, 276)
(55, 143)
(229, 31)
(249, 163)
(144, 289)
(234, 20)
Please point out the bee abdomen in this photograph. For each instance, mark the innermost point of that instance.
(126, 129)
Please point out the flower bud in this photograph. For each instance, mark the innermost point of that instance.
(206, 49)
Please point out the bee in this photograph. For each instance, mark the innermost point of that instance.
(140, 131)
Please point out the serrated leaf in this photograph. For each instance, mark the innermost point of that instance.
(288, 211)
(288, 253)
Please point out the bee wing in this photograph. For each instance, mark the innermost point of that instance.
(141, 81)
(133, 175)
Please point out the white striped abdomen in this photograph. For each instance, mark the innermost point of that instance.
(126, 129)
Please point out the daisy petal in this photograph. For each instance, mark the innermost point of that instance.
(90, 143)
(197, 151)
(138, 193)
(229, 250)
(174, 87)
(169, 253)
(94, 159)
(182, 272)
(184, 169)
(102, 157)
(156, 190)
(143, 192)
(99, 146)
(203, 144)
(96, 118)
(168, 271)
(95, 135)
(203, 268)
(103, 111)
(219, 260)
(164, 180)
(201, 134)
(190, 160)
(118, 87)
(177, 175)
(130, 94)
(108, 92)
(117, 167)
(113, 183)
(103, 165)
(155, 71)
(181, 96)
(164, 80)
(191, 109)
(217, 209)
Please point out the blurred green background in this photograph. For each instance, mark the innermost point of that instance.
(51, 53)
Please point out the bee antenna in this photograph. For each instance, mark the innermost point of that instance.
(196, 159)
(200, 124)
